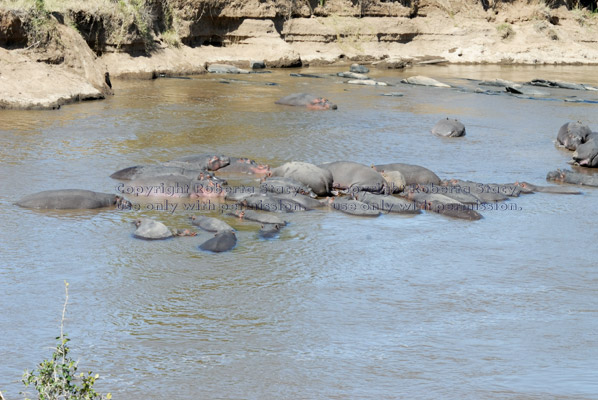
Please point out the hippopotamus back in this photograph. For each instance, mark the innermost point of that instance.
(65, 199)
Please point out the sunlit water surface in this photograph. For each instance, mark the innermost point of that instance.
(337, 307)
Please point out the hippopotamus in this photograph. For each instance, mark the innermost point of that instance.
(305, 201)
(149, 171)
(318, 179)
(525, 91)
(457, 193)
(244, 166)
(151, 230)
(574, 178)
(172, 186)
(309, 101)
(444, 205)
(210, 224)
(389, 204)
(424, 81)
(355, 177)
(222, 241)
(255, 216)
(485, 193)
(354, 207)
(282, 185)
(271, 203)
(586, 154)
(268, 231)
(531, 188)
(359, 69)
(208, 162)
(395, 181)
(413, 174)
(449, 128)
(71, 199)
(572, 134)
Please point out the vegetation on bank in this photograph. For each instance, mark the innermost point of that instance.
(57, 378)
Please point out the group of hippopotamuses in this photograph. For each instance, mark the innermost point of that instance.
(580, 139)
(346, 186)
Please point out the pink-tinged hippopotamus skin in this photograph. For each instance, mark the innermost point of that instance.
(71, 199)
(309, 101)
(413, 174)
(222, 241)
(208, 162)
(355, 177)
(572, 134)
(244, 166)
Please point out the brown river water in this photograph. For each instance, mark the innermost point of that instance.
(337, 307)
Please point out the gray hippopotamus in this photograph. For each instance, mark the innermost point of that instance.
(354, 207)
(71, 199)
(250, 215)
(282, 185)
(271, 204)
(413, 174)
(305, 201)
(444, 205)
(172, 186)
(355, 177)
(151, 230)
(210, 224)
(222, 241)
(150, 171)
(424, 81)
(449, 128)
(389, 204)
(208, 162)
(457, 193)
(309, 101)
(572, 134)
(586, 154)
(531, 188)
(318, 179)
(244, 166)
(268, 231)
(574, 178)
(395, 180)
(484, 192)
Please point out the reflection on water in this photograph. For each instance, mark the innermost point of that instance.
(336, 307)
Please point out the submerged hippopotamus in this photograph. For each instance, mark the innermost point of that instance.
(574, 178)
(449, 128)
(150, 171)
(572, 134)
(210, 224)
(531, 188)
(208, 162)
(250, 215)
(71, 199)
(268, 231)
(151, 230)
(307, 100)
(354, 207)
(222, 241)
(413, 174)
(389, 204)
(356, 177)
(444, 205)
(172, 186)
(244, 166)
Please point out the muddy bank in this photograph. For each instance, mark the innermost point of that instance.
(55, 54)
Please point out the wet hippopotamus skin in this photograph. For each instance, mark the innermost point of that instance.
(318, 179)
(586, 154)
(309, 101)
(354, 207)
(244, 166)
(454, 192)
(449, 128)
(485, 193)
(170, 186)
(356, 177)
(151, 230)
(208, 162)
(71, 199)
(389, 204)
(282, 185)
(150, 171)
(575, 178)
(444, 205)
(531, 188)
(413, 174)
(210, 224)
(268, 231)
(271, 204)
(572, 134)
(222, 241)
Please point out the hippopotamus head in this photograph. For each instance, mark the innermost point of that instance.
(321, 103)
(557, 175)
(121, 202)
(207, 188)
(217, 162)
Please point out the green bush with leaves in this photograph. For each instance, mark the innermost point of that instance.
(57, 378)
